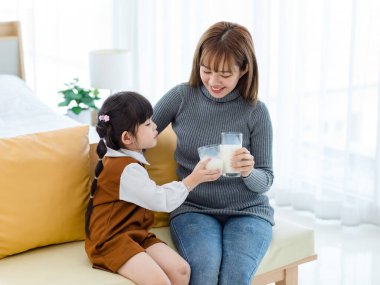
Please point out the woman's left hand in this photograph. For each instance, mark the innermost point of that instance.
(243, 161)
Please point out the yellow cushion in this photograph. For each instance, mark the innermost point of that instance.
(162, 168)
(44, 181)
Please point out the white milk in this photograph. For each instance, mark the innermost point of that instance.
(226, 151)
(214, 164)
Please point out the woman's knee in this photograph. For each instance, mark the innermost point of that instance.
(246, 240)
(192, 241)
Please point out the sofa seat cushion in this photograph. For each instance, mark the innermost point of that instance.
(68, 264)
(290, 243)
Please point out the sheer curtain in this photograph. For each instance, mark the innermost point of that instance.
(319, 76)
(327, 109)
(57, 37)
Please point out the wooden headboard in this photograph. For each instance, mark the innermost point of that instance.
(11, 54)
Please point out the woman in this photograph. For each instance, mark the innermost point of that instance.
(223, 229)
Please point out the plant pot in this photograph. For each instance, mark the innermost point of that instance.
(88, 116)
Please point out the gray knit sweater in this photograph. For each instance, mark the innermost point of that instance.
(198, 119)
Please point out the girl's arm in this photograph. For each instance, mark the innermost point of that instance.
(136, 187)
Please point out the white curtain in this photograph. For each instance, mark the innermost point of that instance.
(57, 37)
(326, 109)
(319, 76)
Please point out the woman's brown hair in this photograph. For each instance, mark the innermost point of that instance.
(228, 43)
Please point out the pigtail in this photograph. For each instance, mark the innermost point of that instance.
(101, 151)
(123, 111)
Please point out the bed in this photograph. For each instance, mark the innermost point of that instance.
(21, 112)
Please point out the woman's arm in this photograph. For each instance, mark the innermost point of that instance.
(164, 112)
(261, 177)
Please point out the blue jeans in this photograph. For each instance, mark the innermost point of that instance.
(224, 251)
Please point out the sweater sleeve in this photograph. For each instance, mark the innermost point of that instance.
(136, 187)
(167, 107)
(261, 178)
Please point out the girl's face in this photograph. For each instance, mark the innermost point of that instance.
(221, 82)
(146, 136)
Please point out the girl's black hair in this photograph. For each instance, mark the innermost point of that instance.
(123, 111)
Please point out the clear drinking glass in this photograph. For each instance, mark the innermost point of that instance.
(231, 141)
(211, 151)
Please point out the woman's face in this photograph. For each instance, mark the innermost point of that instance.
(221, 82)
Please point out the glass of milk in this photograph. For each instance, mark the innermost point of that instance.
(231, 141)
(211, 151)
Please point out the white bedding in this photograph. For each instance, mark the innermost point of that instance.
(21, 112)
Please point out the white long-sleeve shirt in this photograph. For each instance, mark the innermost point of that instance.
(136, 187)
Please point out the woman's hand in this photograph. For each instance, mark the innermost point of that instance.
(243, 161)
(201, 174)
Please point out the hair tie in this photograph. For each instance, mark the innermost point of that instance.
(96, 178)
(91, 196)
(104, 118)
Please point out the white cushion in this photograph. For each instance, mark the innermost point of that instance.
(68, 264)
(291, 242)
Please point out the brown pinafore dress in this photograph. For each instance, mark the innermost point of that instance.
(118, 229)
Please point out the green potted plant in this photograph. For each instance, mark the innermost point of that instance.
(80, 101)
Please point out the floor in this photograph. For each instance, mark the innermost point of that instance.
(346, 255)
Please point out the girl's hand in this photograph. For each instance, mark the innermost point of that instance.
(200, 174)
(243, 161)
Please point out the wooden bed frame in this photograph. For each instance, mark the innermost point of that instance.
(10, 39)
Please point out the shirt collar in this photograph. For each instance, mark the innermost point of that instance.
(125, 152)
(229, 97)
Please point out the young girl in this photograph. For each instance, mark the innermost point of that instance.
(123, 197)
(222, 96)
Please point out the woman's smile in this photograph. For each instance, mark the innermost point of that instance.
(216, 90)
